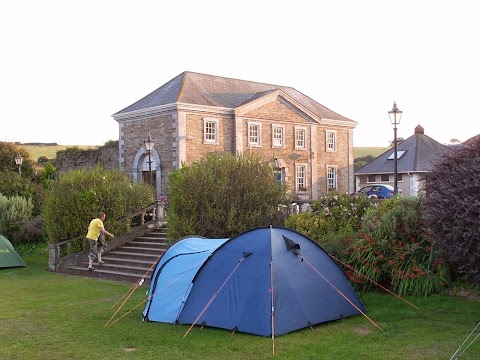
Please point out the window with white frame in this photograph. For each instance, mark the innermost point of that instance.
(254, 134)
(277, 136)
(331, 141)
(331, 178)
(301, 177)
(300, 138)
(210, 131)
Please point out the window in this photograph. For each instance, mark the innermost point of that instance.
(331, 141)
(277, 136)
(278, 173)
(301, 177)
(385, 177)
(331, 178)
(210, 131)
(399, 177)
(372, 178)
(300, 137)
(254, 131)
(399, 155)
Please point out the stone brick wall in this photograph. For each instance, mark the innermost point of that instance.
(179, 137)
(134, 133)
(106, 155)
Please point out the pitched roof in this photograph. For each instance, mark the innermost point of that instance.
(420, 153)
(209, 90)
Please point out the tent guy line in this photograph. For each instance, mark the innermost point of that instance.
(373, 281)
(342, 294)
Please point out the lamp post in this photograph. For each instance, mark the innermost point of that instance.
(19, 161)
(149, 144)
(395, 116)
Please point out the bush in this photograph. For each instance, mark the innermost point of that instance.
(12, 184)
(223, 195)
(77, 196)
(452, 208)
(13, 211)
(333, 221)
(393, 249)
(29, 231)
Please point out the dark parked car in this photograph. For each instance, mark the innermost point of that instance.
(377, 191)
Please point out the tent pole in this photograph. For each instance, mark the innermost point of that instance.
(273, 307)
(215, 295)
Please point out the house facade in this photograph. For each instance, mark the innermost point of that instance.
(310, 146)
(415, 158)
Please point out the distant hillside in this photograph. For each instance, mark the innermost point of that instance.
(49, 151)
(359, 152)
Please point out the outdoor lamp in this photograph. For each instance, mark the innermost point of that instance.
(19, 161)
(149, 144)
(395, 116)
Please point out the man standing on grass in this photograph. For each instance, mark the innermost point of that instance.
(94, 230)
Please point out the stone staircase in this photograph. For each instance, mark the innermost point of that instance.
(129, 262)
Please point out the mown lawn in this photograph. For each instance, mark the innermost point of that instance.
(50, 316)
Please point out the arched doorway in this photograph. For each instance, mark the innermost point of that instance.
(144, 165)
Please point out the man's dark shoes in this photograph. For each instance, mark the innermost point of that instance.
(91, 268)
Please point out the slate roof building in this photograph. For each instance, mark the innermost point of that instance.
(415, 157)
(194, 114)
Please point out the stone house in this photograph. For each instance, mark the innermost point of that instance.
(415, 158)
(309, 145)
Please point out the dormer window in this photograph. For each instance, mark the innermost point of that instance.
(399, 154)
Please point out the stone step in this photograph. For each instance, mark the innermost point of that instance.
(106, 274)
(146, 249)
(128, 263)
(153, 244)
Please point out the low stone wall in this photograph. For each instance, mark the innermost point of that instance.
(72, 158)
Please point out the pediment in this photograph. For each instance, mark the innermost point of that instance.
(271, 104)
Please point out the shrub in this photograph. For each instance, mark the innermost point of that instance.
(222, 195)
(12, 184)
(77, 196)
(13, 211)
(452, 208)
(393, 250)
(333, 221)
(29, 231)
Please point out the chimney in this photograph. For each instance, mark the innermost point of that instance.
(419, 130)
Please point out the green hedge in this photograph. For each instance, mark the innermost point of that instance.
(78, 196)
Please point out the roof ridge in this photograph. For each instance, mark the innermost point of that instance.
(236, 79)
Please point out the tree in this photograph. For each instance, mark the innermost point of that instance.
(223, 195)
(362, 161)
(452, 208)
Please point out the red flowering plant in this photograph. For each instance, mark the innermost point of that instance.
(393, 250)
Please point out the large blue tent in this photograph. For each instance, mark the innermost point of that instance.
(265, 281)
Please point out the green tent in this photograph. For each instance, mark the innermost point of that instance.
(8, 256)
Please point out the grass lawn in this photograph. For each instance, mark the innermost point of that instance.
(52, 316)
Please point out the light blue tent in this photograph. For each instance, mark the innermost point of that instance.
(266, 281)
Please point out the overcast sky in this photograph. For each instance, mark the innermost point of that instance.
(67, 66)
